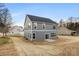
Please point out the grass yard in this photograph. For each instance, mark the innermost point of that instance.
(4, 40)
(7, 47)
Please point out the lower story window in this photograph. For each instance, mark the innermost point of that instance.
(53, 34)
(33, 35)
(46, 36)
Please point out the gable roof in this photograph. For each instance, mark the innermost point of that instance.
(41, 19)
(64, 30)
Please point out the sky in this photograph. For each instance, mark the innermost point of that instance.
(54, 11)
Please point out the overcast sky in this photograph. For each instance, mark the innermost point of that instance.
(52, 11)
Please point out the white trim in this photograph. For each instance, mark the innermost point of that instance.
(31, 30)
(40, 30)
(44, 26)
(35, 24)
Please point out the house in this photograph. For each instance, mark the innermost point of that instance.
(39, 28)
(63, 30)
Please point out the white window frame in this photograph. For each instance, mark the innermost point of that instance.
(45, 35)
(54, 34)
(35, 24)
(44, 26)
(54, 26)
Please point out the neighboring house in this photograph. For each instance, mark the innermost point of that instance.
(39, 28)
(16, 30)
(65, 31)
(62, 30)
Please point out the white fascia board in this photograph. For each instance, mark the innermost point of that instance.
(40, 30)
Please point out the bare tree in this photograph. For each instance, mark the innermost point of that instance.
(5, 20)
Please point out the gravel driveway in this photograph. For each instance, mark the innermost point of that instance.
(29, 49)
(26, 48)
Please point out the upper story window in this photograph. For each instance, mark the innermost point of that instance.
(35, 25)
(29, 25)
(43, 26)
(54, 27)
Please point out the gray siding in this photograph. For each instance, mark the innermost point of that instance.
(40, 35)
(48, 26)
(27, 34)
(27, 23)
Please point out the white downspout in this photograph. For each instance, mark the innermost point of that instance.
(31, 31)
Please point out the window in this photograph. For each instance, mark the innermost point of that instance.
(29, 25)
(46, 36)
(35, 25)
(33, 35)
(29, 35)
(53, 34)
(43, 26)
(54, 27)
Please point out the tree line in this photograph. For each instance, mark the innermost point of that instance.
(73, 26)
(72, 23)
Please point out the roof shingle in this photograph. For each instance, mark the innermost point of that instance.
(41, 19)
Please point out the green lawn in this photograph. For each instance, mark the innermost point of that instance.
(4, 40)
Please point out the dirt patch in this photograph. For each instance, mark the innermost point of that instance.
(8, 50)
(7, 47)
